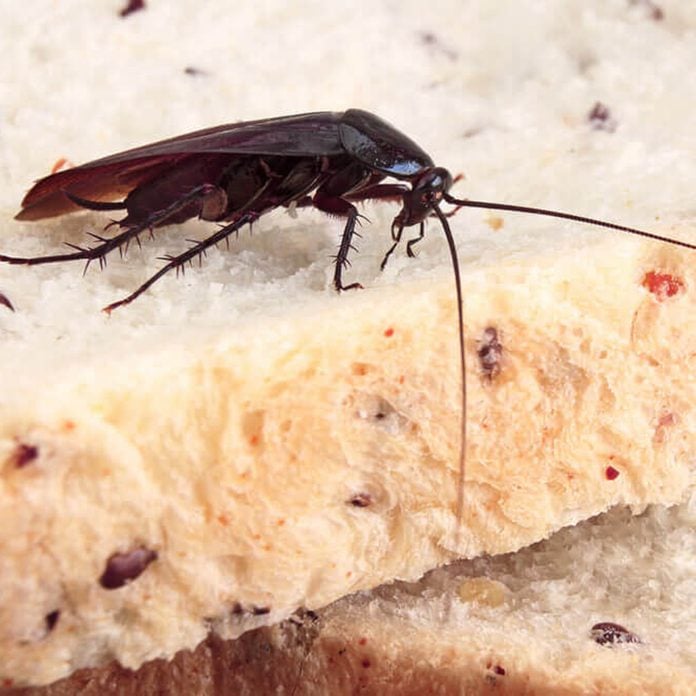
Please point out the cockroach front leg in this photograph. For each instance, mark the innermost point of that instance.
(396, 232)
(412, 242)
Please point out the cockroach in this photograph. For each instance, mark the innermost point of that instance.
(233, 174)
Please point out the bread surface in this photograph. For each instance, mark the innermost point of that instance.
(241, 442)
(287, 463)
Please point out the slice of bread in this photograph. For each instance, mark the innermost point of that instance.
(284, 451)
(605, 607)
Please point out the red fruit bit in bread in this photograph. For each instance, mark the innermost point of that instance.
(662, 285)
(389, 332)
(665, 422)
(611, 473)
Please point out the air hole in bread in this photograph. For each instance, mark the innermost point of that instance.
(361, 500)
(609, 633)
(377, 410)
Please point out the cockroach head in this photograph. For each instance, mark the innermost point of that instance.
(428, 189)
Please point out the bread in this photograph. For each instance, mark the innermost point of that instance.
(520, 623)
(244, 440)
(284, 461)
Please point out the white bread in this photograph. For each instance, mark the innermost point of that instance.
(162, 427)
(516, 624)
(235, 455)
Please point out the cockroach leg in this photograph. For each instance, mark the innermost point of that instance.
(412, 242)
(379, 192)
(396, 232)
(335, 205)
(81, 253)
(133, 229)
(175, 262)
(160, 217)
(95, 205)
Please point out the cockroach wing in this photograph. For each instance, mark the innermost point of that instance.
(113, 177)
(380, 146)
(303, 135)
(106, 183)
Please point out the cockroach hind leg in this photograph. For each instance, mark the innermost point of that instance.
(178, 262)
(95, 205)
(359, 219)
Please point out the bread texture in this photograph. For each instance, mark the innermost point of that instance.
(519, 623)
(243, 442)
(291, 461)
